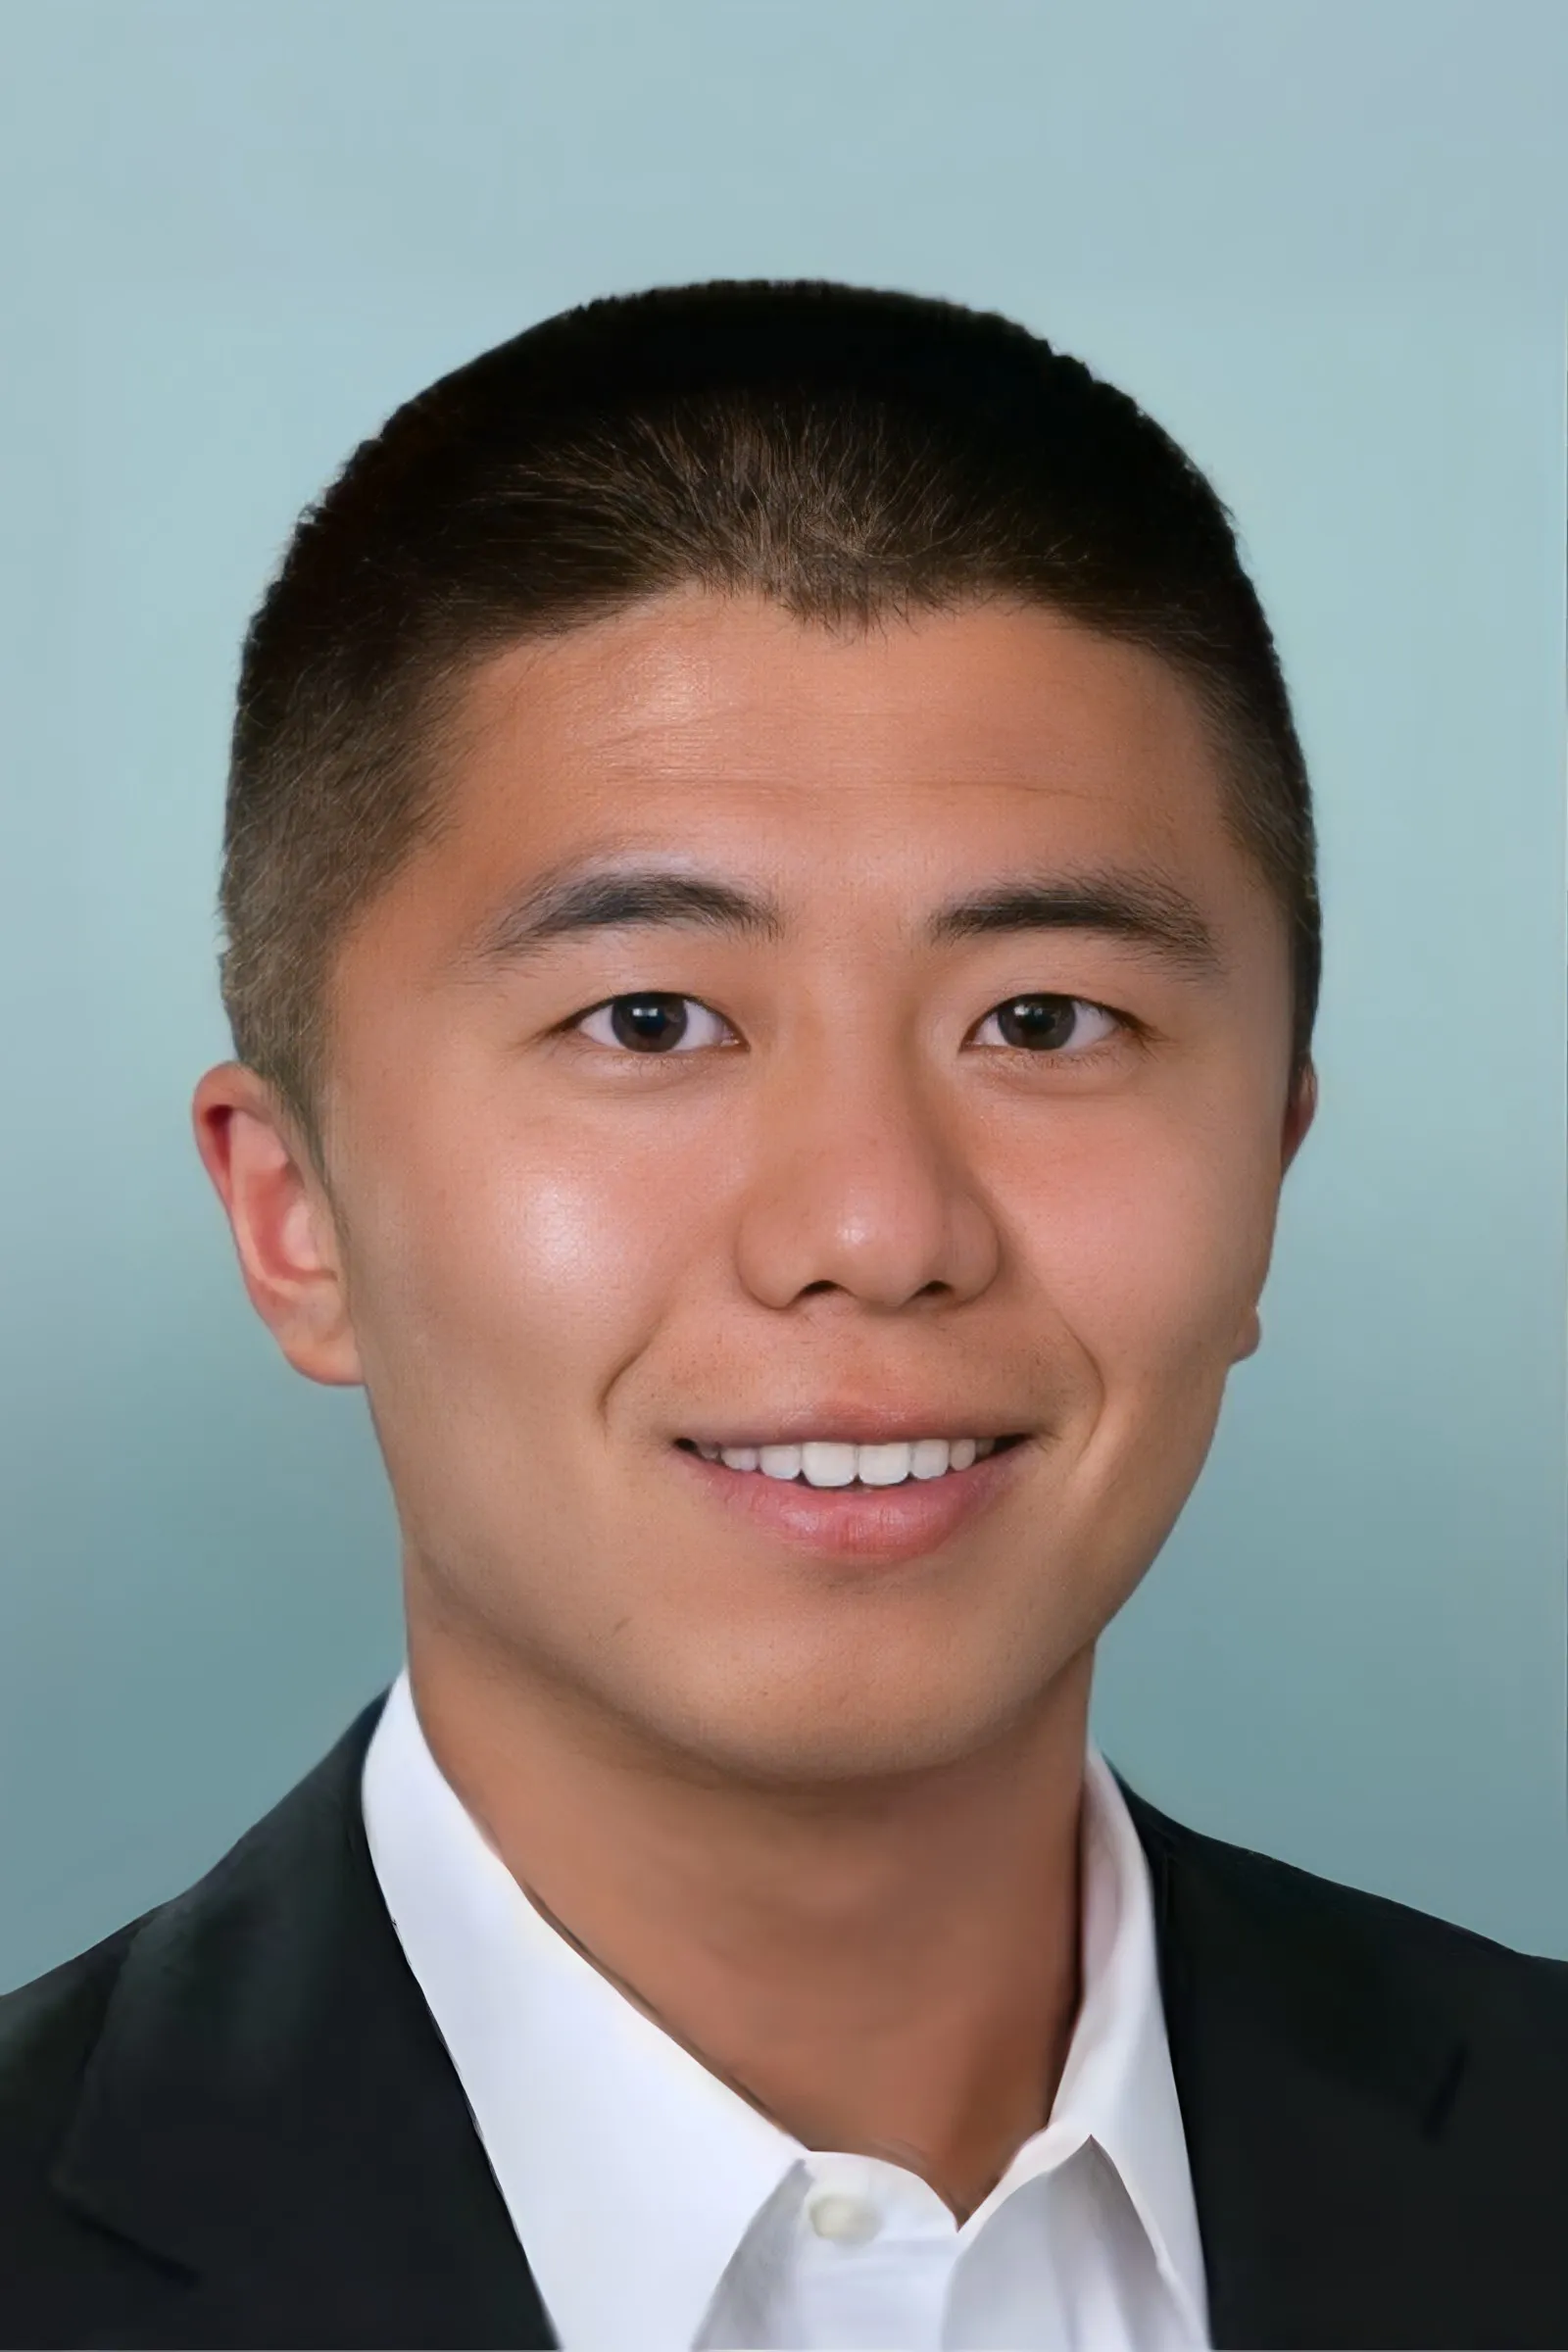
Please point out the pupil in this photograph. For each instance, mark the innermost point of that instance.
(1040, 1021)
(645, 1023)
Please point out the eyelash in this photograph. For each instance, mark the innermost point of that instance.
(1128, 1029)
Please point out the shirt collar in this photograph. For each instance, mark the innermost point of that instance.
(602, 2131)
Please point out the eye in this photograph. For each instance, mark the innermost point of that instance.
(652, 1023)
(1043, 1024)
(655, 1023)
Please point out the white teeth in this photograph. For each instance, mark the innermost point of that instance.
(825, 1465)
(883, 1465)
(822, 1463)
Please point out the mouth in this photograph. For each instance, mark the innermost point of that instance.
(816, 1500)
(827, 1464)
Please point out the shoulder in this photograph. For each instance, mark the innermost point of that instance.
(49, 2029)
(1237, 1899)
(47, 2032)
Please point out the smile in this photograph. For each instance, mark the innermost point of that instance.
(816, 1499)
(826, 1462)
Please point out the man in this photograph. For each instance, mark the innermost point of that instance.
(772, 951)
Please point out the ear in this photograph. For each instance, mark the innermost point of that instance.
(1250, 1337)
(281, 1221)
(1299, 1112)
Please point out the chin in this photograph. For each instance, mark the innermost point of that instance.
(796, 1746)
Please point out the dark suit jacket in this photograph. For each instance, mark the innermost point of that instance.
(234, 2123)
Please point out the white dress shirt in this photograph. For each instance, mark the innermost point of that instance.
(659, 2212)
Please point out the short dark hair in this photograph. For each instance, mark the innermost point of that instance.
(846, 451)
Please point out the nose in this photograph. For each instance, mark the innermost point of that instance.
(860, 1182)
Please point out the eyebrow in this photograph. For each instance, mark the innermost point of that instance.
(1140, 908)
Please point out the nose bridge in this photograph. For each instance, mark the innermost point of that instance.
(859, 1173)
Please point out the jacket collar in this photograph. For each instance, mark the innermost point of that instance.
(271, 2111)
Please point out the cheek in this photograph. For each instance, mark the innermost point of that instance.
(531, 1259)
(576, 1257)
(1151, 1247)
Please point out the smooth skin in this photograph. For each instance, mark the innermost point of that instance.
(819, 1818)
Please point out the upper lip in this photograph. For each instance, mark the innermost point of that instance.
(856, 1425)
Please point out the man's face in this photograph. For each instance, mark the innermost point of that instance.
(856, 1171)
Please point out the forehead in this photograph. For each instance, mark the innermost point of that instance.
(700, 690)
(852, 767)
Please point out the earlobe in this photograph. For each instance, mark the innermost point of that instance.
(1252, 1337)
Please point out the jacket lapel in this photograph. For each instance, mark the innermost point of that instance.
(272, 2113)
(1355, 2183)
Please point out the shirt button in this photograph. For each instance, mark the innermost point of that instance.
(848, 2220)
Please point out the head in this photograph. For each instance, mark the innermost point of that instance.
(769, 884)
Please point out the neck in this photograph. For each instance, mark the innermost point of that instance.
(888, 1969)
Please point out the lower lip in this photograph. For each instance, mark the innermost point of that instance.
(860, 1523)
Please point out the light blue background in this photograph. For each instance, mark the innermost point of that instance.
(1327, 246)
